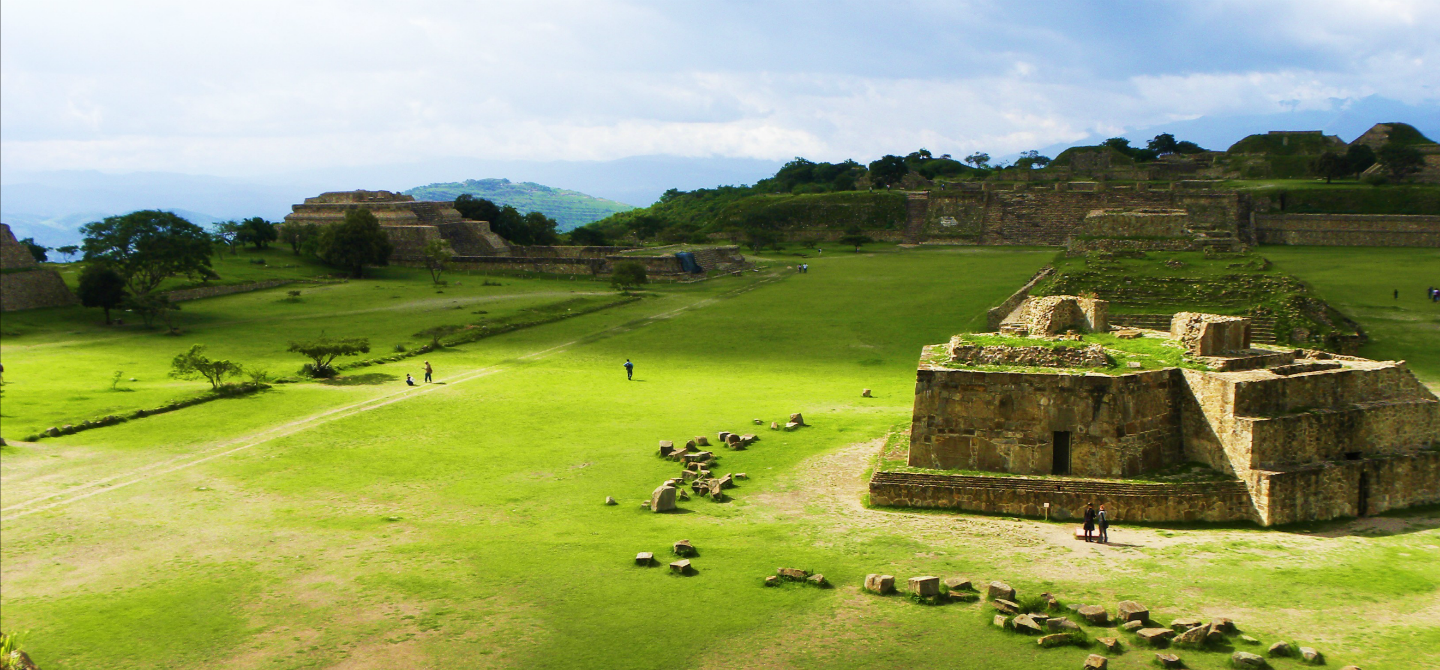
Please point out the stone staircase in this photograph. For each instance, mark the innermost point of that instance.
(917, 204)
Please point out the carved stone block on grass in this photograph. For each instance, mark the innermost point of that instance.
(702, 441)
(772, 580)
(924, 587)
(881, 584)
(1096, 662)
(1246, 660)
(1111, 644)
(1132, 626)
(999, 590)
(1309, 656)
(681, 567)
(1061, 625)
(1005, 606)
(1056, 640)
(1027, 624)
(663, 499)
(644, 558)
(1182, 625)
(683, 548)
(1281, 649)
(1129, 610)
(817, 579)
(1156, 637)
(1169, 661)
(792, 574)
(1001, 621)
(1095, 614)
(958, 584)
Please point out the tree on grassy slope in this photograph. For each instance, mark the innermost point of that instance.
(888, 170)
(1400, 160)
(628, 275)
(149, 246)
(101, 286)
(227, 233)
(355, 242)
(67, 251)
(257, 231)
(437, 254)
(150, 307)
(1330, 165)
(195, 364)
(854, 237)
(324, 350)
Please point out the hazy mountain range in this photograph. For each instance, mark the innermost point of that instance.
(570, 209)
(50, 206)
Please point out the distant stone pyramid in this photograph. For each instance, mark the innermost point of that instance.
(24, 284)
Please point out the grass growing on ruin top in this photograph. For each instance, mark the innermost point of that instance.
(1150, 351)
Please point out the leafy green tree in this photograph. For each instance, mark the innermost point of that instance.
(1188, 147)
(295, 234)
(67, 251)
(36, 250)
(980, 160)
(149, 246)
(477, 209)
(855, 238)
(646, 225)
(1031, 159)
(588, 236)
(1122, 145)
(541, 229)
(436, 254)
(227, 233)
(324, 350)
(194, 364)
(1330, 165)
(628, 275)
(1164, 143)
(101, 286)
(258, 232)
(888, 170)
(151, 307)
(1399, 160)
(759, 238)
(356, 242)
(510, 224)
(1359, 158)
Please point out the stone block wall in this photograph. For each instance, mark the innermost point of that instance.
(1047, 217)
(183, 295)
(410, 241)
(1364, 230)
(1054, 314)
(1125, 502)
(997, 314)
(1006, 422)
(1338, 488)
(1373, 428)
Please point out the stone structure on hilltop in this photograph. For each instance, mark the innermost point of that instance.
(24, 284)
(409, 223)
(1288, 435)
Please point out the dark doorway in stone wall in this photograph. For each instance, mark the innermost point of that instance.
(1060, 453)
(1362, 503)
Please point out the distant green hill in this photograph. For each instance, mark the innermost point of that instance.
(569, 208)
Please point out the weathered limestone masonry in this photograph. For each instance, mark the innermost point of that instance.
(409, 224)
(1115, 426)
(1210, 334)
(1305, 435)
(1123, 501)
(1054, 314)
(1051, 217)
(1357, 438)
(24, 284)
(996, 315)
(1349, 230)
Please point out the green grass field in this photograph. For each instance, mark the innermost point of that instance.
(365, 524)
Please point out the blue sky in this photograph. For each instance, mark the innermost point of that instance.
(254, 88)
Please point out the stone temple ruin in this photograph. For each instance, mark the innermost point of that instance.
(409, 223)
(1283, 436)
(23, 283)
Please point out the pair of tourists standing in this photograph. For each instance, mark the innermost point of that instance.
(1096, 520)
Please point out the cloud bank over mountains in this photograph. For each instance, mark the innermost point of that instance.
(253, 89)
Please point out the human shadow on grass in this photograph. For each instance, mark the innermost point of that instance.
(368, 379)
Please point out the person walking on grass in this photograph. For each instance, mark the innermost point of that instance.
(1102, 523)
(1089, 520)
(629, 369)
(428, 372)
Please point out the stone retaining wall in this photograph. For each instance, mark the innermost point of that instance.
(1050, 217)
(996, 315)
(1335, 489)
(1125, 502)
(1363, 230)
(1117, 426)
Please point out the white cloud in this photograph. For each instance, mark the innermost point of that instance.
(253, 88)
